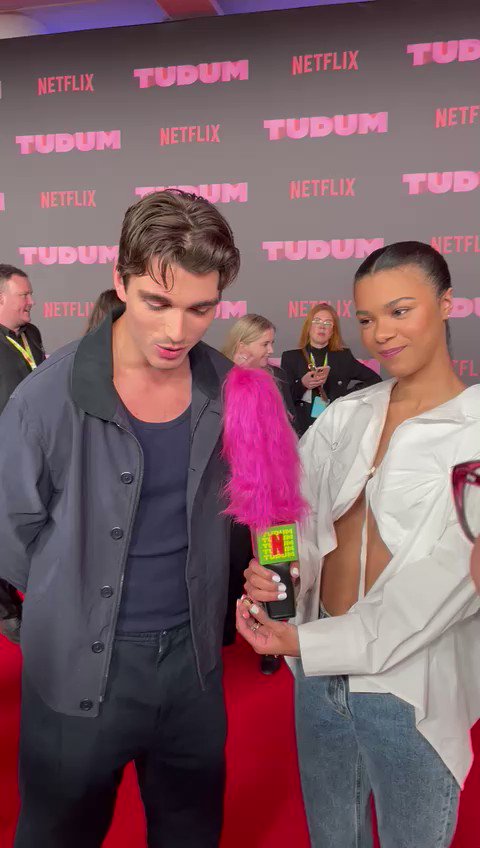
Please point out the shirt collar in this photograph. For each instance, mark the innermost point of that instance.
(7, 332)
(460, 408)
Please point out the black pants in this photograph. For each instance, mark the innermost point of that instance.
(154, 713)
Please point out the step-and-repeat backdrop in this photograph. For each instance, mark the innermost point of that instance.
(321, 134)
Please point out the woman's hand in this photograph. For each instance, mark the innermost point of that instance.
(264, 635)
(312, 379)
(263, 585)
(322, 374)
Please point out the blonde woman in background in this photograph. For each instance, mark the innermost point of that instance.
(249, 344)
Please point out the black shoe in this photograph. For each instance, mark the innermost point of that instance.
(270, 664)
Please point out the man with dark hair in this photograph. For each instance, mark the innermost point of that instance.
(21, 348)
(111, 522)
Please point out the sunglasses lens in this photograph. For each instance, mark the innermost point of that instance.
(471, 506)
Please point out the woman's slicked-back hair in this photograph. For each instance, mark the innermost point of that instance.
(414, 253)
(172, 227)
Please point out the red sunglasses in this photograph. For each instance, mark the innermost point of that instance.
(465, 482)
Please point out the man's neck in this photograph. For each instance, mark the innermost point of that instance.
(13, 327)
(150, 394)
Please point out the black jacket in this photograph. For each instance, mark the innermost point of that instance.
(344, 369)
(13, 367)
(71, 471)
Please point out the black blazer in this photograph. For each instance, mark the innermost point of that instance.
(344, 369)
(13, 367)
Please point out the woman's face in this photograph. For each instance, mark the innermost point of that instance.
(321, 329)
(256, 354)
(402, 320)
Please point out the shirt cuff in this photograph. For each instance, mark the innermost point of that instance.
(331, 646)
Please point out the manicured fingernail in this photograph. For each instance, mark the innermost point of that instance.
(282, 587)
(296, 571)
(245, 615)
(276, 578)
(282, 596)
(254, 609)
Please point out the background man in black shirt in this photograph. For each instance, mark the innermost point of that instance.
(21, 347)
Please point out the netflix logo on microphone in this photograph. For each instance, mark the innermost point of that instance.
(214, 192)
(442, 182)
(65, 142)
(207, 73)
(87, 254)
(357, 123)
(444, 52)
(315, 249)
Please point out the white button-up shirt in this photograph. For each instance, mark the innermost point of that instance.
(416, 633)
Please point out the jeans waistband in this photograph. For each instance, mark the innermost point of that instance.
(150, 635)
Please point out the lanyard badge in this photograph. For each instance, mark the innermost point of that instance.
(25, 350)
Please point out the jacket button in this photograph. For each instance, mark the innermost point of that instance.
(116, 533)
(106, 591)
(126, 477)
(87, 704)
(98, 647)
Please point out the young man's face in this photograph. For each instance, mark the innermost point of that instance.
(165, 323)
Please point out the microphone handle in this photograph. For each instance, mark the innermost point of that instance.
(280, 610)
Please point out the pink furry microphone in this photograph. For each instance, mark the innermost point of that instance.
(263, 492)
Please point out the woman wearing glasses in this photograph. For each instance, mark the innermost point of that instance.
(387, 631)
(322, 368)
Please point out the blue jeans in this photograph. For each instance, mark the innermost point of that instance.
(353, 744)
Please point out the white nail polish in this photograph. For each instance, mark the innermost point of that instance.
(296, 572)
(282, 596)
(276, 578)
(282, 587)
(254, 609)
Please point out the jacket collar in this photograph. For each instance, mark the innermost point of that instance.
(92, 377)
(458, 409)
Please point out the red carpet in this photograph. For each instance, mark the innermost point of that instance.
(263, 804)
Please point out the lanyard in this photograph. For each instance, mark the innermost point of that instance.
(25, 350)
(313, 364)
